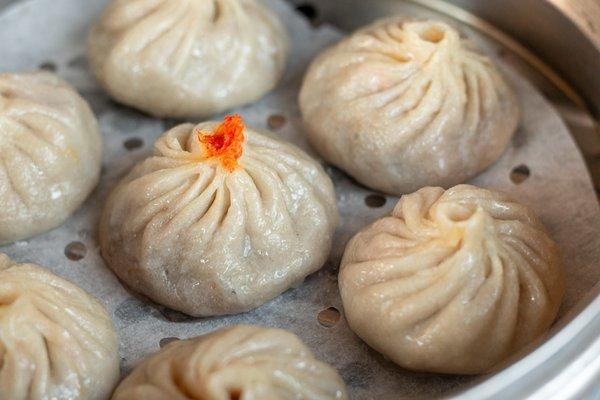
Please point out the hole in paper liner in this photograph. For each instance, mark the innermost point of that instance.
(375, 201)
(48, 66)
(276, 121)
(519, 174)
(165, 341)
(75, 251)
(328, 317)
(133, 143)
(310, 12)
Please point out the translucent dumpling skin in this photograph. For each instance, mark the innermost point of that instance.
(208, 234)
(187, 58)
(50, 153)
(56, 341)
(404, 104)
(240, 362)
(453, 281)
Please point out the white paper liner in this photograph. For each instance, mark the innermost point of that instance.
(52, 32)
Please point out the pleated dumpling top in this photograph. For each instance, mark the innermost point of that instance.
(238, 362)
(453, 281)
(403, 104)
(187, 58)
(56, 341)
(220, 220)
(50, 153)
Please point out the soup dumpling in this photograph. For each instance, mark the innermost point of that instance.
(187, 58)
(50, 152)
(403, 104)
(453, 281)
(239, 362)
(56, 341)
(220, 220)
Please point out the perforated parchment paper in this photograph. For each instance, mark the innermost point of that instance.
(51, 34)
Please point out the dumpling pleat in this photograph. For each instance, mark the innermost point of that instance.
(454, 281)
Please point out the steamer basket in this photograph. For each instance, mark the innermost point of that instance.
(554, 44)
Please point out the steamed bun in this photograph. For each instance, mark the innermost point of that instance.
(453, 281)
(56, 341)
(220, 220)
(50, 153)
(240, 362)
(404, 104)
(187, 58)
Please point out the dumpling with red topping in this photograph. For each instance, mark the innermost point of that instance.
(220, 219)
(187, 58)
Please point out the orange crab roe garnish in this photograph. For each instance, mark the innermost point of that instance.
(225, 142)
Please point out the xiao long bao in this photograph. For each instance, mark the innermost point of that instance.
(240, 362)
(453, 281)
(187, 58)
(56, 341)
(220, 220)
(50, 153)
(404, 104)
